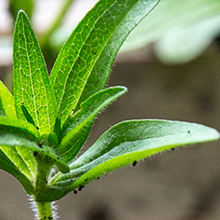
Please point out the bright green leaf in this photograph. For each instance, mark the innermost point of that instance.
(74, 141)
(9, 162)
(7, 101)
(2, 110)
(46, 153)
(31, 83)
(84, 63)
(78, 125)
(146, 135)
(130, 141)
(13, 153)
(19, 127)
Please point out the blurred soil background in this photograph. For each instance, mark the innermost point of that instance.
(178, 185)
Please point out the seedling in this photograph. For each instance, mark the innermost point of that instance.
(44, 126)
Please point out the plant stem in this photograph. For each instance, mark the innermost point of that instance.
(44, 210)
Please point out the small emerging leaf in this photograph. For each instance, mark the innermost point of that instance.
(27, 115)
(2, 110)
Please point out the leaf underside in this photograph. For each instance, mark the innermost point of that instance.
(123, 144)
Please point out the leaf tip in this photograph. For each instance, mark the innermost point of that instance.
(21, 14)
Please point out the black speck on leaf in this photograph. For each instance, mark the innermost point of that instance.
(35, 153)
(37, 128)
(189, 132)
(134, 163)
(80, 188)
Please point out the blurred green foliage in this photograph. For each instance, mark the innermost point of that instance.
(180, 30)
(26, 5)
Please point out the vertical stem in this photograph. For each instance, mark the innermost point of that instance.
(44, 210)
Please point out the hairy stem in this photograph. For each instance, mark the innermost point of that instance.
(44, 211)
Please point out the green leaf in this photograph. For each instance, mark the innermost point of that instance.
(179, 30)
(12, 163)
(7, 101)
(31, 83)
(84, 63)
(74, 141)
(8, 138)
(77, 127)
(27, 115)
(20, 156)
(19, 127)
(2, 110)
(57, 128)
(45, 152)
(16, 158)
(127, 142)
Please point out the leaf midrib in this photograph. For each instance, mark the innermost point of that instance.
(78, 55)
(95, 60)
(28, 59)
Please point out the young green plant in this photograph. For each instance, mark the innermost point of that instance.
(45, 124)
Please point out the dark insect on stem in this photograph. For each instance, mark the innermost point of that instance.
(172, 149)
(75, 191)
(80, 188)
(188, 132)
(35, 153)
(40, 145)
(134, 163)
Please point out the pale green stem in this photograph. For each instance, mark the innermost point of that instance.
(57, 21)
(44, 210)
